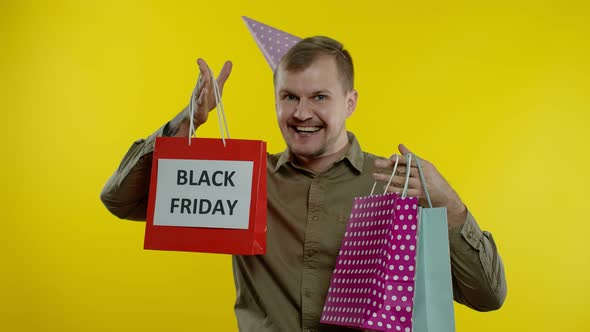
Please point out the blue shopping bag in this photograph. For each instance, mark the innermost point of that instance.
(433, 295)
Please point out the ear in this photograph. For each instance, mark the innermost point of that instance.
(351, 100)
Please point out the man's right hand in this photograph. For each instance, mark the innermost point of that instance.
(204, 100)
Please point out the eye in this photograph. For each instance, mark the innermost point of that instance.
(321, 97)
(290, 97)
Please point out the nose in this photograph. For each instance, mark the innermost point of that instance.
(303, 111)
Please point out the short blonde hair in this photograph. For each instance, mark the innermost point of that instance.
(307, 50)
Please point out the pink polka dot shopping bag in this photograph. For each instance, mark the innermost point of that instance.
(393, 272)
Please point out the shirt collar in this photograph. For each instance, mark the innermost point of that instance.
(354, 155)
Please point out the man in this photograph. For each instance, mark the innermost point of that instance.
(311, 187)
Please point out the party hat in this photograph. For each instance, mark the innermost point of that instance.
(273, 43)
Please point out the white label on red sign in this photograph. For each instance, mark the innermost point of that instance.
(203, 193)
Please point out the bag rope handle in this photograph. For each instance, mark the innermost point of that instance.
(218, 106)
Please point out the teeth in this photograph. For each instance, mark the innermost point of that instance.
(308, 129)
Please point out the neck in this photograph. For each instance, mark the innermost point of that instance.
(321, 164)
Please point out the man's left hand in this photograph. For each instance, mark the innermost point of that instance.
(441, 193)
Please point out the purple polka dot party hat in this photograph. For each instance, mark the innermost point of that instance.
(273, 43)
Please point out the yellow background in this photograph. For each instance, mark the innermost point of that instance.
(496, 95)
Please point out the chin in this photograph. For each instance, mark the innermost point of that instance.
(306, 151)
(312, 146)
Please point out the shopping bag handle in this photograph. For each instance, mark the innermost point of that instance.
(390, 178)
(408, 168)
(421, 174)
(405, 190)
(218, 106)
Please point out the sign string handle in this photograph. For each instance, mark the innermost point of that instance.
(218, 105)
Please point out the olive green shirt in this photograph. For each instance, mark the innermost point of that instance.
(285, 289)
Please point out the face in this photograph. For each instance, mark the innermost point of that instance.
(312, 108)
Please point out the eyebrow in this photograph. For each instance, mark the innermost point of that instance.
(321, 92)
(285, 91)
(314, 93)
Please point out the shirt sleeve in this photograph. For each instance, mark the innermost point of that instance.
(126, 192)
(478, 273)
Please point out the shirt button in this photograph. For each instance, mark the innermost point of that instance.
(315, 218)
(307, 293)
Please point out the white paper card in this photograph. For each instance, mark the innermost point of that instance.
(203, 193)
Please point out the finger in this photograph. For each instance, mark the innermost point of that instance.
(388, 163)
(399, 181)
(398, 190)
(381, 176)
(383, 163)
(205, 72)
(224, 74)
(401, 170)
(404, 150)
(393, 189)
(395, 181)
(203, 98)
(401, 159)
(414, 183)
(414, 193)
(382, 168)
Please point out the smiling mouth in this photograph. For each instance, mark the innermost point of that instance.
(306, 130)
